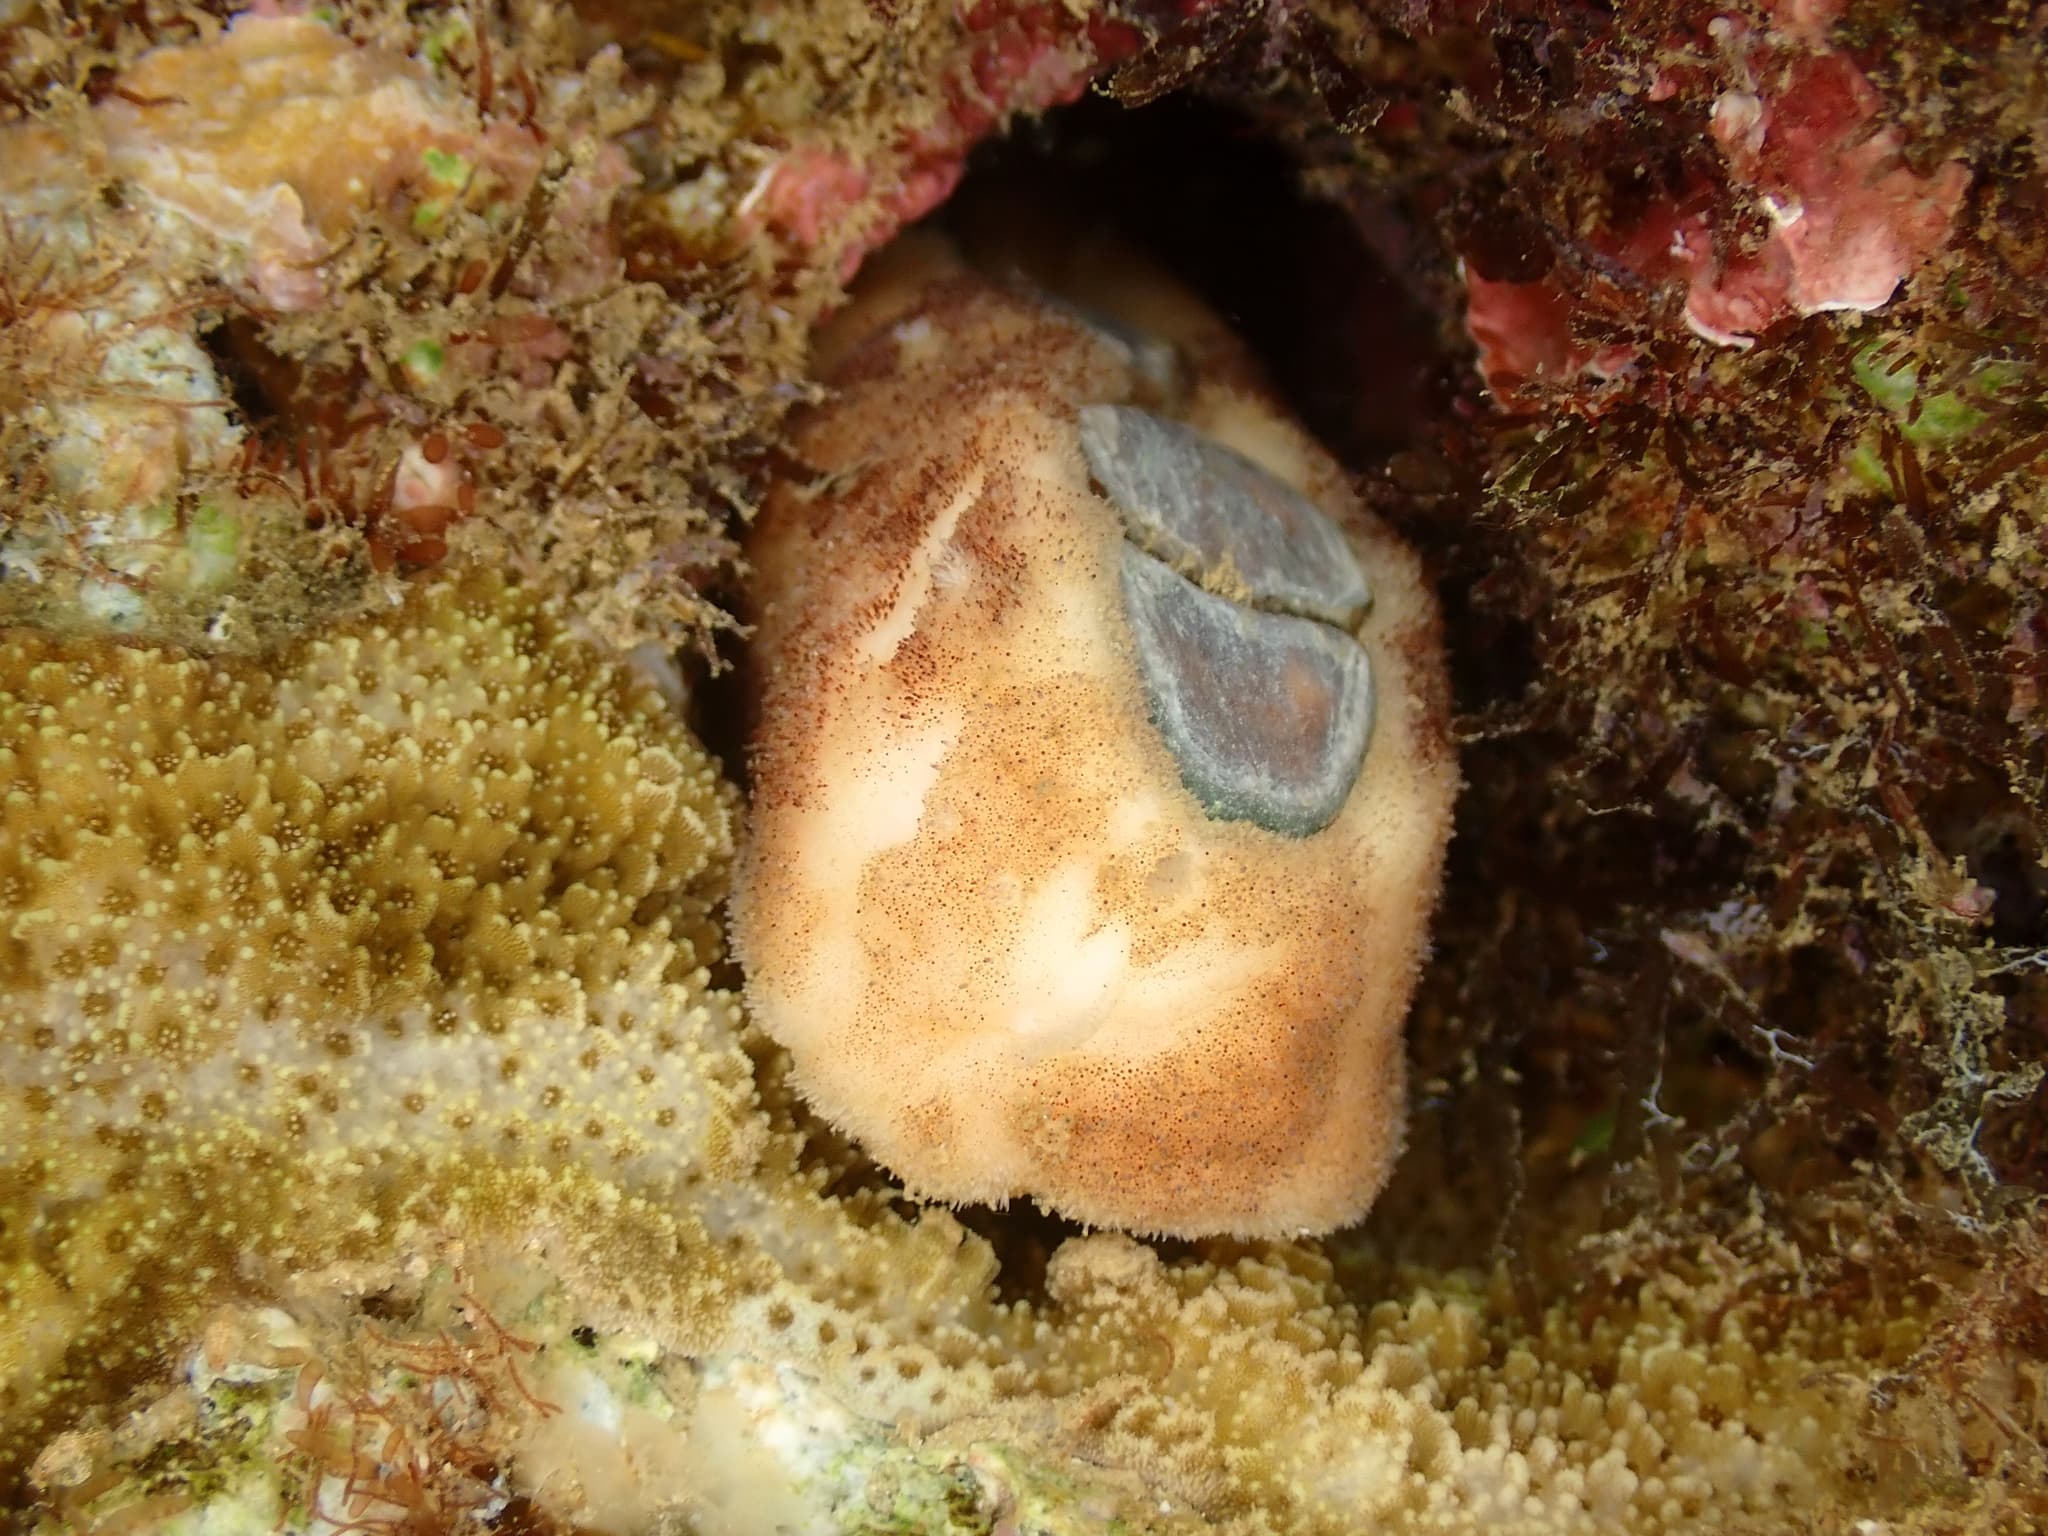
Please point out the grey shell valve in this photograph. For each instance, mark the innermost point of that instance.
(1153, 360)
(1220, 519)
(1242, 599)
(1266, 714)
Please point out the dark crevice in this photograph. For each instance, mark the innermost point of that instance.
(1025, 1237)
(260, 383)
(1221, 207)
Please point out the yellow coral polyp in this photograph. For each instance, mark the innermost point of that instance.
(278, 936)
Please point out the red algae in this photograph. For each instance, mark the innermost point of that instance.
(1017, 59)
(1804, 143)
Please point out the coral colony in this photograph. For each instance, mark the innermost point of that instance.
(674, 858)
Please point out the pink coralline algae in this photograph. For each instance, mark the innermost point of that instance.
(1016, 58)
(1798, 128)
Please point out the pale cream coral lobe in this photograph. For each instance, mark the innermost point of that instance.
(983, 903)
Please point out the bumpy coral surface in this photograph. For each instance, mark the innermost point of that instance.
(276, 940)
(1046, 892)
(1244, 1395)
